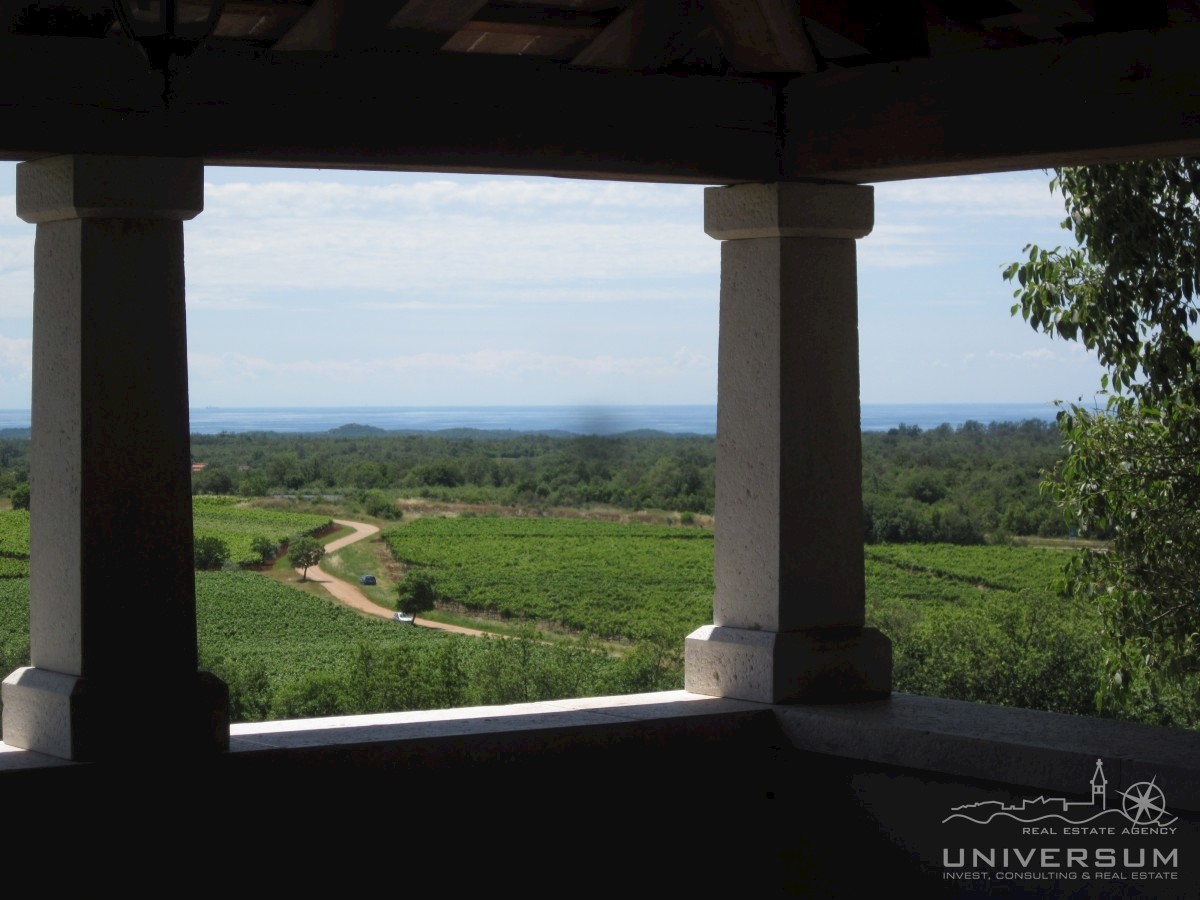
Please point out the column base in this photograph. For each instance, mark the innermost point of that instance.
(68, 717)
(819, 665)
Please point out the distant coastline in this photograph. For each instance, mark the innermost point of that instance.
(601, 420)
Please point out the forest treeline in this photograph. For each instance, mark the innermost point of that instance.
(972, 484)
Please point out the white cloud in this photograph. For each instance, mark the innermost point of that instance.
(416, 304)
(208, 299)
(346, 253)
(483, 377)
(16, 372)
(1038, 355)
(481, 362)
(1013, 195)
(684, 358)
(435, 196)
(901, 246)
(16, 352)
(951, 302)
(583, 287)
(16, 269)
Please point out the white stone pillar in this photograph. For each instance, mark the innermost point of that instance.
(112, 586)
(789, 607)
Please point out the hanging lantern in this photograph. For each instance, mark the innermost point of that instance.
(168, 31)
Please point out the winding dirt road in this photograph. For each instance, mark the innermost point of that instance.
(350, 595)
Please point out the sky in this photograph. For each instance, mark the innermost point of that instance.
(331, 288)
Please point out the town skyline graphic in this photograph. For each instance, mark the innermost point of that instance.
(1142, 804)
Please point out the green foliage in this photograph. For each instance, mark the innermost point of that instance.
(19, 496)
(1128, 292)
(1136, 471)
(977, 623)
(305, 552)
(239, 526)
(1007, 649)
(285, 654)
(605, 579)
(264, 548)
(210, 552)
(14, 624)
(212, 481)
(972, 485)
(655, 470)
(14, 533)
(380, 505)
(984, 624)
(417, 592)
(316, 695)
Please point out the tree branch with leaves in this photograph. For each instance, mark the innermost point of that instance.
(1128, 292)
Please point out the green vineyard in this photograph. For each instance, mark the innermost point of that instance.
(606, 579)
(238, 525)
(981, 623)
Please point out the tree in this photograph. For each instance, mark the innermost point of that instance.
(417, 592)
(210, 552)
(20, 496)
(305, 552)
(212, 481)
(1128, 291)
(263, 548)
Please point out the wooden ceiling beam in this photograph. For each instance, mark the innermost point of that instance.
(1096, 99)
(398, 110)
(1093, 99)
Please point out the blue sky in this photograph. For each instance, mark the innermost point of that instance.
(328, 288)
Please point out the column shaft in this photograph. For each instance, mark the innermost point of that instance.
(789, 606)
(112, 586)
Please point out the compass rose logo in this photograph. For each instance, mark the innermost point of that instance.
(1143, 803)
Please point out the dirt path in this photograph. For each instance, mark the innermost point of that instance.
(350, 595)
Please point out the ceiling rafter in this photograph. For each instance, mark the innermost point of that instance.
(763, 36)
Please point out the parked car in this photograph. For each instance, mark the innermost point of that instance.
(403, 618)
(367, 579)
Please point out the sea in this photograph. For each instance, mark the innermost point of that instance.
(590, 420)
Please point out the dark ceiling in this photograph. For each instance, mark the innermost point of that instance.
(679, 90)
(698, 36)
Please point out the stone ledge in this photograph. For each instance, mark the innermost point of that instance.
(557, 716)
(1040, 750)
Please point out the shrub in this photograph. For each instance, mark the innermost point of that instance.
(417, 592)
(210, 552)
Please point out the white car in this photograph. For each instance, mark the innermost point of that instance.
(403, 618)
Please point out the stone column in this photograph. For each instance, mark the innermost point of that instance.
(112, 587)
(789, 607)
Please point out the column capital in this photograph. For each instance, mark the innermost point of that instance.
(109, 187)
(789, 209)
